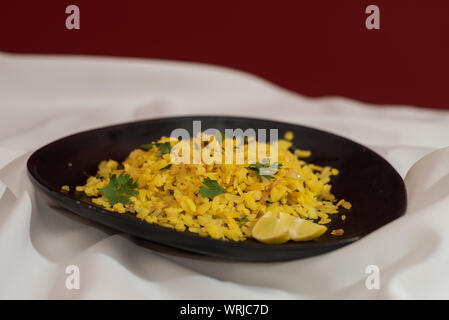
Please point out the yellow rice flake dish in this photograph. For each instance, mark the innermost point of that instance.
(222, 201)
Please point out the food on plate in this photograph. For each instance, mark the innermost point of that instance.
(269, 229)
(270, 201)
(273, 230)
(337, 232)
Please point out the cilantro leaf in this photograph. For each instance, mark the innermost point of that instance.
(148, 146)
(168, 166)
(211, 188)
(163, 147)
(264, 170)
(243, 221)
(119, 189)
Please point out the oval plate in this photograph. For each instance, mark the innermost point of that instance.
(369, 182)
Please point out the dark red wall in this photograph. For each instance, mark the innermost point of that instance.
(314, 47)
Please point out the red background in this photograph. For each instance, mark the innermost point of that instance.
(313, 47)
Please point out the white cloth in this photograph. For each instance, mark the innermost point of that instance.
(43, 98)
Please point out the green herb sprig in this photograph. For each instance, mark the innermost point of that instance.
(243, 221)
(211, 188)
(119, 189)
(264, 170)
(167, 167)
(164, 147)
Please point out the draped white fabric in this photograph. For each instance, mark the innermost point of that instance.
(43, 98)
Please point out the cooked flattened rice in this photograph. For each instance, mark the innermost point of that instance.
(169, 194)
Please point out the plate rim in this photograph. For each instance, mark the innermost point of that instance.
(61, 196)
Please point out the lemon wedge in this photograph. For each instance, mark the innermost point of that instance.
(306, 230)
(269, 229)
(288, 220)
(300, 229)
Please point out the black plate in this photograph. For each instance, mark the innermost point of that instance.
(369, 182)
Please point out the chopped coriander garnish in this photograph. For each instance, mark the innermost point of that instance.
(166, 167)
(264, 170)
(119, 189)
(211, 188)
(164, 147)
(149, 145)
(243, 221)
